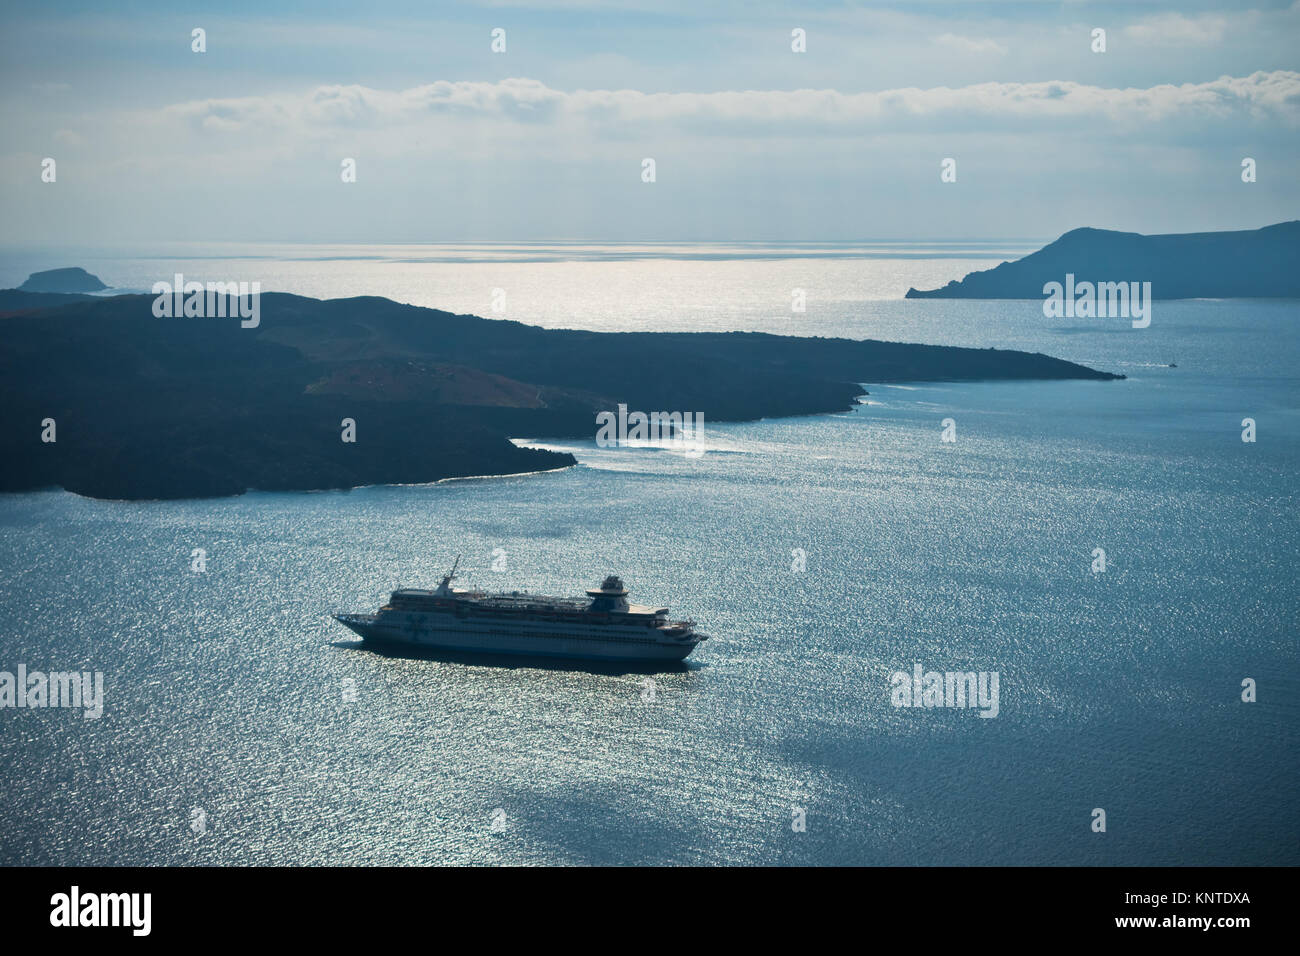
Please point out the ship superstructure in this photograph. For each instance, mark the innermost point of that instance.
(604, 626)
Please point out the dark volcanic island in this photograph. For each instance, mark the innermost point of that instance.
(62, 280)
(1257, 263)
(148, 407)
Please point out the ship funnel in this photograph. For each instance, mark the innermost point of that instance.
(610, 596)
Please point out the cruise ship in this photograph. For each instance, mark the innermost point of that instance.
(602, 627)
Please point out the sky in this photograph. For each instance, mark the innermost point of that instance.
(750, 140)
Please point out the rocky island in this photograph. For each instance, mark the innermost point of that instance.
(1259, 263)
(147, 407)
(62, 280)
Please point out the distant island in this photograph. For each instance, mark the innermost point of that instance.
(1259, 263)
(62, 280)
(149, 408)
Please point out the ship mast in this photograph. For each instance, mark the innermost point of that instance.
(444, 589)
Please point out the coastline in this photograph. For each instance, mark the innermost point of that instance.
(345, 393)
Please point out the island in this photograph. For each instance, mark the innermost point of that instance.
(62, 280)
(1259, 263)
(152, 408)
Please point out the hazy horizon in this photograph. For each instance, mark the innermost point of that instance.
(452, 142)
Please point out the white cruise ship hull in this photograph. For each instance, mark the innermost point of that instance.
(520, 638)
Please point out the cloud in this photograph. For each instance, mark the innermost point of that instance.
(1262, 97)
(977, 47)
(480, 132)
(1174, 29)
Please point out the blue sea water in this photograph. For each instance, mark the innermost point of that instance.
(228, 693)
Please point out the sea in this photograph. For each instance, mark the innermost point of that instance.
(1115, 552)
